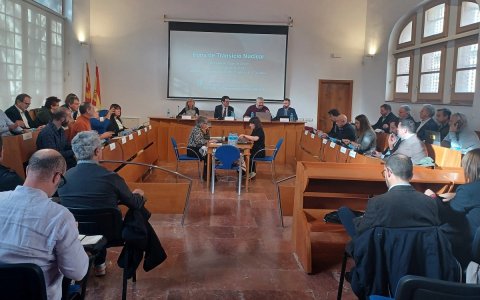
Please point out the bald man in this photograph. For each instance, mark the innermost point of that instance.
(34, 229)
(345, 129)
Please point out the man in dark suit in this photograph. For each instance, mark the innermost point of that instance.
(402, 205)
(286, 111)
(224, 110)
(345, 129)
(72, 103)
(443, 118)
(18, 112)
(385, 119)
(427, 123)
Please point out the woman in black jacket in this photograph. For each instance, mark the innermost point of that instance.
(116, 124)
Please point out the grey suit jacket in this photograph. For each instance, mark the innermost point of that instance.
(413, 148)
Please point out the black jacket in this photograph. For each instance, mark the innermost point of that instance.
(384, 255)
(345, 132)
(140, 239)
(388, 119)
(9, 179)
(431, 125)
(219, 112)
(113, 126)
(14, 115)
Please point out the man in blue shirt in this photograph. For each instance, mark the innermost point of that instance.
(53, 136)
(34, 229)
(286, 111)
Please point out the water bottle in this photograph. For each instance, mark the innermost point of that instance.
(168, 113)
(291, 117)
(232, 139)
(232, 115)
(252, 114)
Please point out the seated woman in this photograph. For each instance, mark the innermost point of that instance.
(366, 141)
(116, 124)
(258, 138)
(460, 211)
(189, 109)
(100, 125)
(199, 137)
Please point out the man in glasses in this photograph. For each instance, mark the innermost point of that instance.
(402, 205)
(90, 185)
(36, 230)
(18, 112)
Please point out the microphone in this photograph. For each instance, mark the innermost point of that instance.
(178, 110)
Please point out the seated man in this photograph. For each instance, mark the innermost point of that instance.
(258, 107)
(426, 121)
(345, 130)
(404, 113)
(460, 136)
(7, 127)
(19, 113)
(409, 145)
(72, 103)
(34, 229)
(286, 111)
(45, 114)
(8, 178)
(53, 136)
(443, 118)
(402, 205)
(386, 117)
(89, 185)
(224, 110)
(82, 123)
(333, 115)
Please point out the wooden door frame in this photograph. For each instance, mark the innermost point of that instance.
(350, 94)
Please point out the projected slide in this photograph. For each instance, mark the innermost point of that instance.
(213, 64)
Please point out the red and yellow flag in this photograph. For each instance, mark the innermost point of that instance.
(97, 99)
(88, 87)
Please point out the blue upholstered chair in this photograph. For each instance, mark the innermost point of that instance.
(226, 157)
(185, 157)
(268, 159)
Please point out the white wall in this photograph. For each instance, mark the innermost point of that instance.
(129, 41)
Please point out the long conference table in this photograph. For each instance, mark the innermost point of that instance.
(180, 130)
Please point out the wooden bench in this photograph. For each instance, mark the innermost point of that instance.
(327, 186)
(17, 150)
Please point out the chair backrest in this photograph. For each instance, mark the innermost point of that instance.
(22, 281)
(419, 288)
(227, 155)
(277, 147)
(102, 221)
(175, 147)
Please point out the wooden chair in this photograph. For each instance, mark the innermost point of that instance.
(444, 157)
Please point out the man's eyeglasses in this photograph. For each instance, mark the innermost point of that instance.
(63, 181)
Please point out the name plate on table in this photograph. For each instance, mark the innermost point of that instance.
(186, 117)
(306, 132)
(324, 141)
(229, 119)
(284, 120)
(332, 145)
(149, 126)
(124, 139)
(27, 136)
(246, 119)
(343, 150)
(112, 146)
(139, 132)
(130, 136)
(312, 135)
(102, 119)
(352, 154)
(146, 129)
(89, 239)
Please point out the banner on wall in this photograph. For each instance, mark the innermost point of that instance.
(97, 99)
(88, 87)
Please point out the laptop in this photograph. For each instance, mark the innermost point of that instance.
(432, 137)
(207, 113)
(264, 116)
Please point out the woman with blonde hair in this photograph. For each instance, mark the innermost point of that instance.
(189, 109)
(460, 211)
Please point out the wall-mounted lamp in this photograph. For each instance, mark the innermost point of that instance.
(81, 39)
(84, 43)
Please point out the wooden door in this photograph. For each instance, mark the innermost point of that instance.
(333, 94)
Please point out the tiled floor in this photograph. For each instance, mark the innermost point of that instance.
(231, 247)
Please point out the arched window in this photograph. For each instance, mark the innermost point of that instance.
(436, 63)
